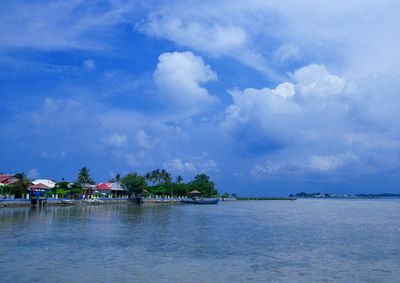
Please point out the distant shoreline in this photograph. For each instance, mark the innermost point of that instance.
(270, 198)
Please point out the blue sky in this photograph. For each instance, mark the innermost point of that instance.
(266, 97)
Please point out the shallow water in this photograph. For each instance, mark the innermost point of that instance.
(260, 241)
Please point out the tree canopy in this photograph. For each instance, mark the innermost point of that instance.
(134, 183)
(84, 176)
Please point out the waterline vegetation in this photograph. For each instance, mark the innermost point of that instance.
(157, 183)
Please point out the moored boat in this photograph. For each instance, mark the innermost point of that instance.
(205, 200)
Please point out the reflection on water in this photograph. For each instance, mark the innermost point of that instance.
(260, 241)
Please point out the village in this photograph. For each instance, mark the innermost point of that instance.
(154, 186)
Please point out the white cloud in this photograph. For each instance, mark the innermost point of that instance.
(332, 162)
(278, 31)
(178, 75)
(89, 64)
(177, 166)
(315, 113)
(116, 140)
(284, 89)
(57, 24)
(214, 38)
(316, 80)
(142, 139)
(286, 52)
(33, 173)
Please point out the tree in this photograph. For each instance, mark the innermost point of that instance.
(225, 195)
(75, 188)
(148, 177)
(84, 177)
(61, 188)
(134, 183)
(19, 188)
(179, 179)
(203, 184)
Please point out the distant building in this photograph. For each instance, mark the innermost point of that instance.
(110, 189)
(7, 179)
(88, 189)
(47, 182)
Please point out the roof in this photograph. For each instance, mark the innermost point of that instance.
(103, 186)
(8, 179)
(47, 182)
(109, 186)
(39, 186)
(194, 192)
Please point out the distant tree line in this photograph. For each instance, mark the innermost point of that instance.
(160, 182)
(156, 182)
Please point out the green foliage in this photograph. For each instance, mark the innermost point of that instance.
(60, 186)
(19, 188)
(84, 177)
(225, 195)
(164, 186)
(134, 183)
(234, 195)
(179, 179)
(117, 178)
(6, 189)
(203, 184)
(181, 189)
(75, 188)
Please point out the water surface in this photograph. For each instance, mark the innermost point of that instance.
(242, 241)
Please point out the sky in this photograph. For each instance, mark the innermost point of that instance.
(268, 98)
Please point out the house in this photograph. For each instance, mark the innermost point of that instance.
(87, 189)
(7, 179)
(47, 182)
(114, 189)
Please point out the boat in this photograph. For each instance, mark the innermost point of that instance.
(205, 200)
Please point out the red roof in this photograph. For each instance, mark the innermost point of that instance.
(5, 179)
(103, 186)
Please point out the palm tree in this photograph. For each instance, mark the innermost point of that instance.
(84, 176)
(179, 179)
(118, 178)
(157, 176)
(148, 177)
(167, 177)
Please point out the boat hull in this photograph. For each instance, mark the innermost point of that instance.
(206, 201)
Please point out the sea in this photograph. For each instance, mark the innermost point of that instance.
(306, 240)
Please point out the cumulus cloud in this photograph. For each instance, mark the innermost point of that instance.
(279, 31)
(316, 80)
(315, 113)
(178, 76)
(116, 140)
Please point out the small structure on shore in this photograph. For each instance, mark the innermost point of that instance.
(39, 193)
(194, 193)
(110, 189)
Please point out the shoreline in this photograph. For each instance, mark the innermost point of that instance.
(56, 202)
(5, 203)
